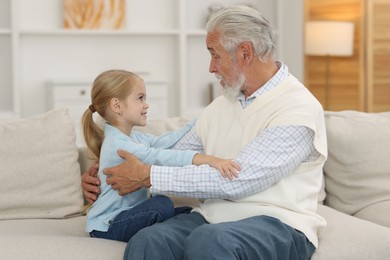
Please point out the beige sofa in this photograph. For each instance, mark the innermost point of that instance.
(41, 198)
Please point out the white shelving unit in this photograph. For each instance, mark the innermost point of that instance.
(163, 40)
(75, 96)
(7, 94)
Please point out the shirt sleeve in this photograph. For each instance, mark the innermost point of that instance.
(275, 153)
(159, 155)
(166, 140)
(190, 141)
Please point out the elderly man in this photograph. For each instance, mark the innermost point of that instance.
(273, 128)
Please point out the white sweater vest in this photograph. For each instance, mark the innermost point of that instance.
(225, 128)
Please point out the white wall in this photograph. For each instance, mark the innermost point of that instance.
(174, 51)
(290, 24)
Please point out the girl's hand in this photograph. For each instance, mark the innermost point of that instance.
(227, 168)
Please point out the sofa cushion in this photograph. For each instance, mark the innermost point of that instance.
(39, 171)
(347, 237)
(357, 172)
(60, 247)
(44, 227)
(378, 213)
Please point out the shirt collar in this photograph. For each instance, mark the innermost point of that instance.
(280, 75)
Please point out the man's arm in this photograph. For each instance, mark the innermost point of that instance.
(129, 176)
(119, 176)
(274, 154)
(90, 184)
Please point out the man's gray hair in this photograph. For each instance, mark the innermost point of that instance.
(240, 23)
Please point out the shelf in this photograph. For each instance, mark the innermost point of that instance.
(196, 33)
(7, 115)
(68, 32)
(5, 31)
(55, 32)
(167, 43)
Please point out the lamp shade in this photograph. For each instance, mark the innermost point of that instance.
(329, 38)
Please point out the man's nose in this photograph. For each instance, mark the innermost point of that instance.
(212, 67)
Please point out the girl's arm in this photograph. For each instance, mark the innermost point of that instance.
(227, 168)
(166, 140)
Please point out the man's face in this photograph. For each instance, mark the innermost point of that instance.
(225, 67)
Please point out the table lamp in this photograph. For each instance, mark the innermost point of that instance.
(328, 38)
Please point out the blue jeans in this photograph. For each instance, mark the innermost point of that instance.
(129, 222)
(189, 236)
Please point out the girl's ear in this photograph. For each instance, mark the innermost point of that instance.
(115, 106)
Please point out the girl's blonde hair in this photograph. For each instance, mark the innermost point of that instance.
(108, 85)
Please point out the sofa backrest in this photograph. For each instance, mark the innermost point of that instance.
(357, 172)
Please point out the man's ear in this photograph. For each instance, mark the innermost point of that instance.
(115, 105)
(246, 52)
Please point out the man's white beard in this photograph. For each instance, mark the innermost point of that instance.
(232, 91)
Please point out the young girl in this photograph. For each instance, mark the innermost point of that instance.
(119, 97)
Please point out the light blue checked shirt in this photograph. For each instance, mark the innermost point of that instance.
(272, 155)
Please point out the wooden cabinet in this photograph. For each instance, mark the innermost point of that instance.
(378, 55)
(360, 82)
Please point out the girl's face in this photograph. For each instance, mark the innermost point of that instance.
(135, 108)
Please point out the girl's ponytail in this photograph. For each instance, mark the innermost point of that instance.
(93, 133)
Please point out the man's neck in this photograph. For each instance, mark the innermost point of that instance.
(259, 74)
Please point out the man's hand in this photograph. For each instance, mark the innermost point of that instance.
(129, 176)
(90, 184)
